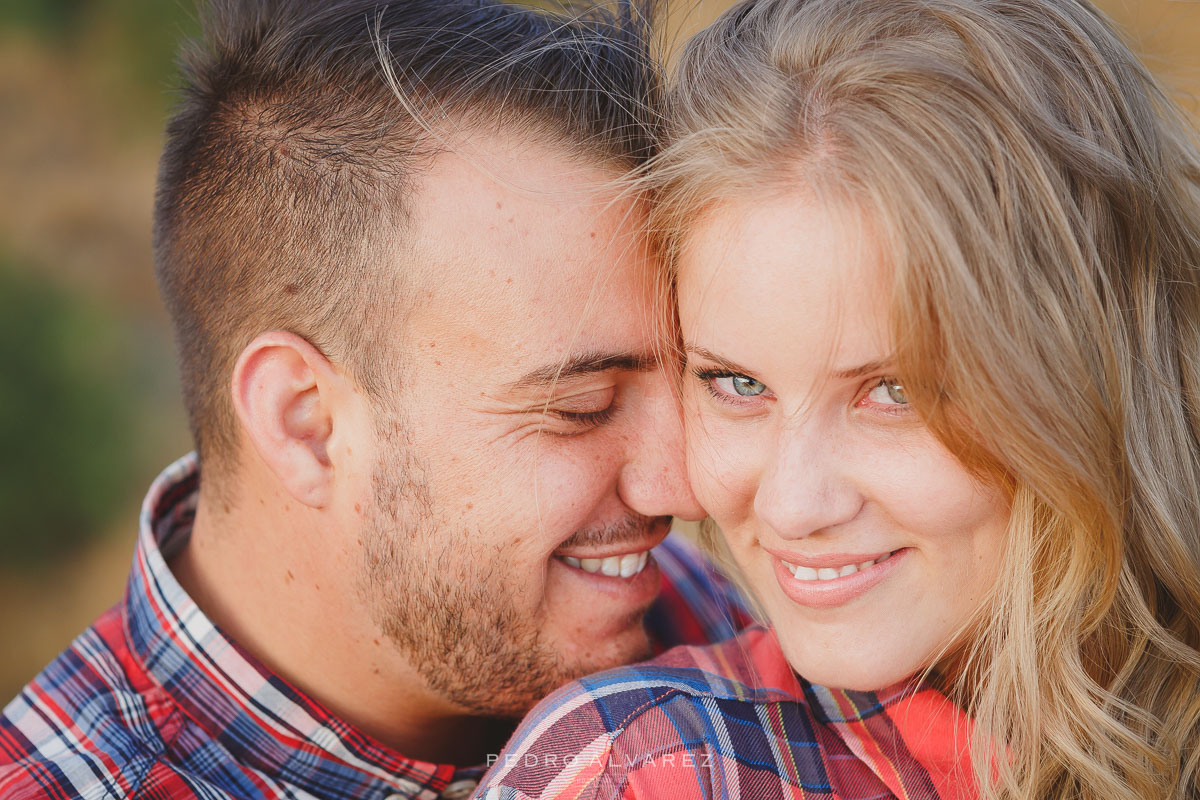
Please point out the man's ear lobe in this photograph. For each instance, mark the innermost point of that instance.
(282, 395)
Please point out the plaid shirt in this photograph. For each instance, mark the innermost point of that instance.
(733, 721)
(153, 701)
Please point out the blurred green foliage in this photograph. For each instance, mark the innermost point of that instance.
(137, 38)
(88, 405)
(48, 16)
(69, 426)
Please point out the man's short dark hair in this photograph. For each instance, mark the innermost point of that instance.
(288, 164)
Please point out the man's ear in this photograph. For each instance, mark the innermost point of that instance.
(283, 396)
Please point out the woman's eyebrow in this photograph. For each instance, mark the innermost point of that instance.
(864, 369)
(709, 355)
(842, 374)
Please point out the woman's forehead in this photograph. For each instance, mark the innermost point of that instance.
(787, 273)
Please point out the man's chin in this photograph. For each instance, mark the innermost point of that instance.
(598, 619)
(514, 707)
(594, 654)
(639, 651)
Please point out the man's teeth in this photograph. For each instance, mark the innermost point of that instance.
(625, 566)
(829, 573)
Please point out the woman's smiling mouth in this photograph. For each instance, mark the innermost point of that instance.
(833, 581)
(829, 573)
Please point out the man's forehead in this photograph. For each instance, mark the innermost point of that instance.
(522, 174)
(529, 255)
(498, 197)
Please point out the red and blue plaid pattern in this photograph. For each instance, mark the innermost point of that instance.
(154, 701)
(733, 721)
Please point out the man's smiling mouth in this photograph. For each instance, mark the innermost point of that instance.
(626, 565)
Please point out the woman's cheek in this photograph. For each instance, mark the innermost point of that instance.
(924, 487)
(724, 458)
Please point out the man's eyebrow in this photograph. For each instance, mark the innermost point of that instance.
(581, 365)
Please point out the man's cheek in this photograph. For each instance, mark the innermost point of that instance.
(574, 477)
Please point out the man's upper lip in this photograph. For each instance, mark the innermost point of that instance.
(654, 539)
(826, 560)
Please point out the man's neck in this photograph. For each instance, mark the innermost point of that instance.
(287, 594)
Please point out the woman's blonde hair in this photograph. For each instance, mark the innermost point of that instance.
(1039, 199)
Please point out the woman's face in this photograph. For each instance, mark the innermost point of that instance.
(867, 542)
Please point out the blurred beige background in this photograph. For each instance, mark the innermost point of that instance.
(89, 410)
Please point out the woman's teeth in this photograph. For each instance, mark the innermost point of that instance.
(830, 573)
(625, 566)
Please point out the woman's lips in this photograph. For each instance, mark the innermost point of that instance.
(832, 581)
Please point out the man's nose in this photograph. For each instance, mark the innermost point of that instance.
(807, 484)
(653, 480)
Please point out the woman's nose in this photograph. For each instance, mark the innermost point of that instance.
(807, 485)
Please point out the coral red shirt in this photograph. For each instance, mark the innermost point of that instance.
(733, 721)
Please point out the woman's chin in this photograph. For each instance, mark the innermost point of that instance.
(842, 657)
(852, 677)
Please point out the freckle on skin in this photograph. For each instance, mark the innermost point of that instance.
(290, 577)
(357, 508)
(470, 506)
(509, 280)
(226, 508)
(376, 642)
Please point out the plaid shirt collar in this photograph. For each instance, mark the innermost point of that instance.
(267, 724)
(731, 721)
(910, 735)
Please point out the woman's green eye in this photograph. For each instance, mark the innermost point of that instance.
(733, 388)
(741, 385)
(888, 392)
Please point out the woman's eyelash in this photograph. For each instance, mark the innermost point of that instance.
(895, 409)
(706, 378)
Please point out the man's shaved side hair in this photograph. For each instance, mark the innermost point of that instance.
(289, 164)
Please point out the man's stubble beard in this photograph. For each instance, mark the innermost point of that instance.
(443, 601)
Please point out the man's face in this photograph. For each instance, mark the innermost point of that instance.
(534, 453)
